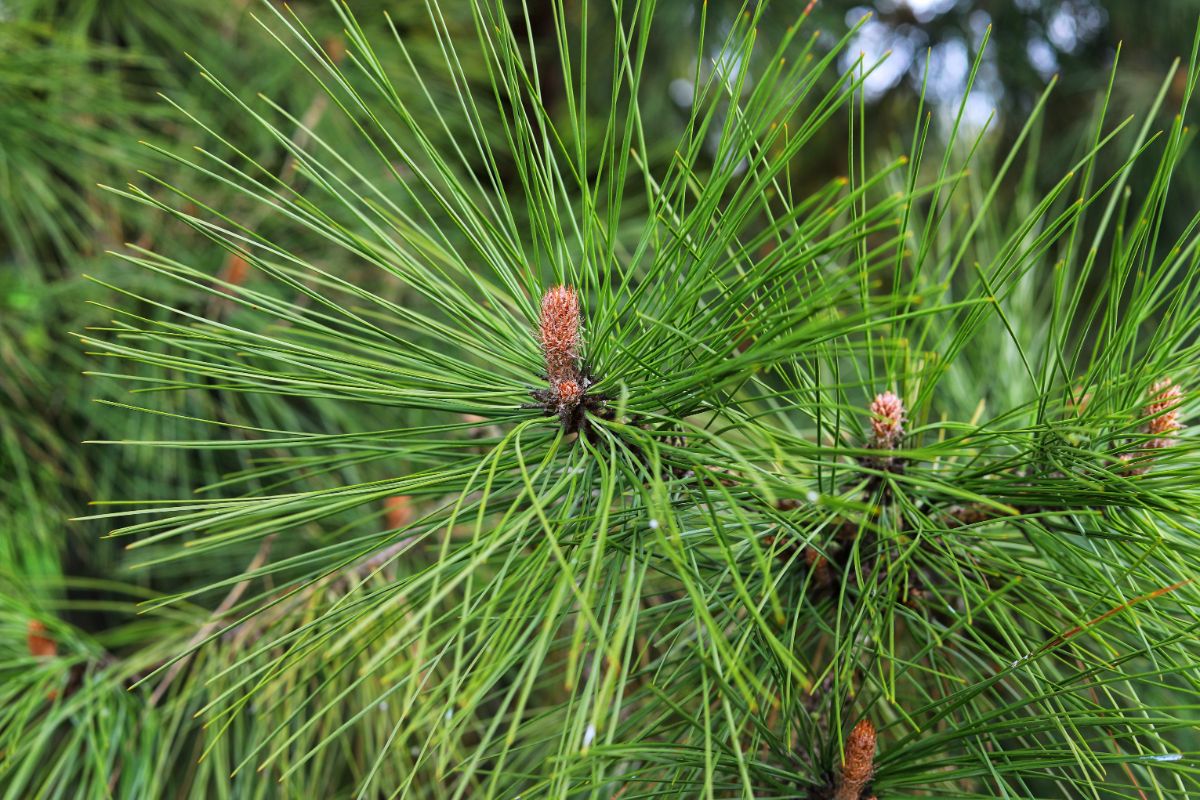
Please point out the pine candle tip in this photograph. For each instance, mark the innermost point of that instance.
(887, 420)
(858, 764)
(558, 334)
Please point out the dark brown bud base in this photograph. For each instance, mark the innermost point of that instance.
(572, 403)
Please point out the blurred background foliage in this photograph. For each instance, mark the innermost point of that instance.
(79, 89)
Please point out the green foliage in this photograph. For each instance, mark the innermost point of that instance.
(390, 578)
(59, 116)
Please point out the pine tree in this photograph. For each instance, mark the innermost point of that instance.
(549, 458)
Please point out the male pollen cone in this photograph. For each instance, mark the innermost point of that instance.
(558, 331)
(39, 641)
(399, 510)
(887, 420)
(859, 762)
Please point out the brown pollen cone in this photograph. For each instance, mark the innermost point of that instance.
(558, 333)
(39, 642)
(399, 510)
(858, 762)
(569, 395)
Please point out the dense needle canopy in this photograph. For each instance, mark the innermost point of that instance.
(540, 456)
